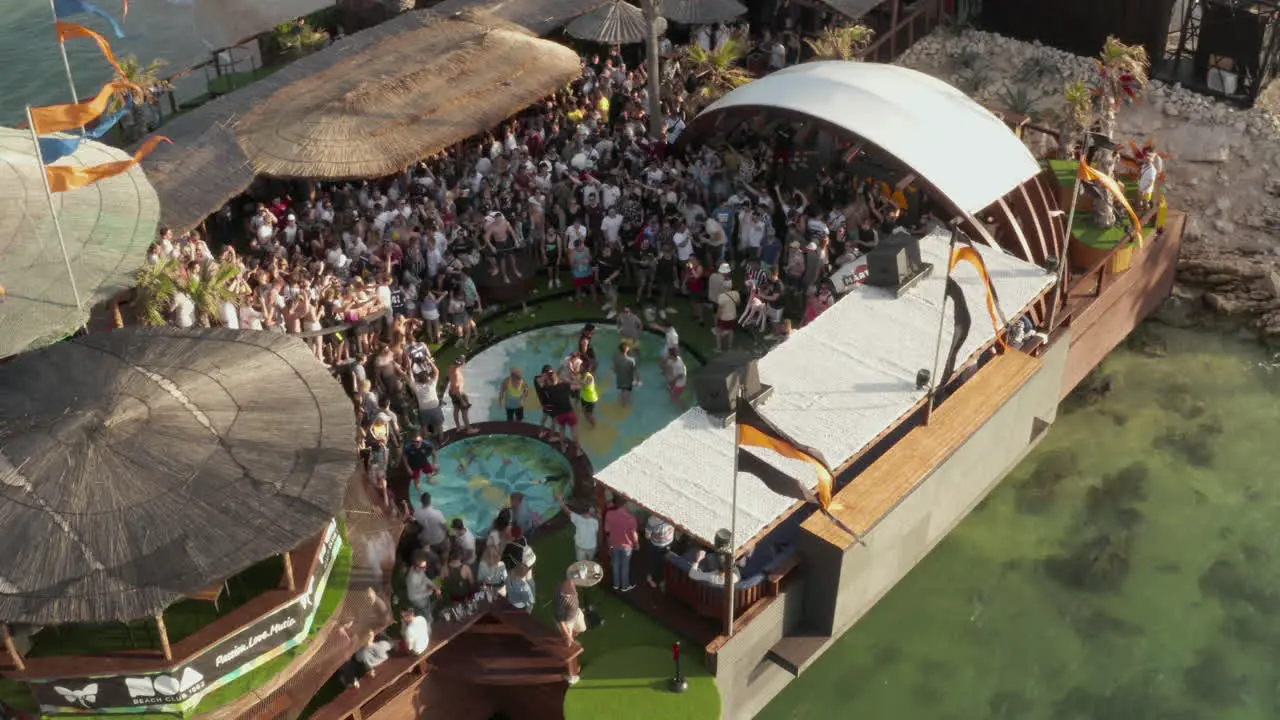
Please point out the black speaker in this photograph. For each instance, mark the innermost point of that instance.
(894, 261)
(720, 382)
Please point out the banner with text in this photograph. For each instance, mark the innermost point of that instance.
(181, 688)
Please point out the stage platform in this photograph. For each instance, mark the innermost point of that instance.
(839, 383)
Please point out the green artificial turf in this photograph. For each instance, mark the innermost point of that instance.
(224, 84)
(633, 682)
(1083, 227)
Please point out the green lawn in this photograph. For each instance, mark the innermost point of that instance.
(633, 683)
(1083, 227)
(224, 84)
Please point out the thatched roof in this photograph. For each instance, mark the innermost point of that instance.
(107, 228)
(538, 16)
(616, 23)
(702, 12)
(369, 105)
(141, 465)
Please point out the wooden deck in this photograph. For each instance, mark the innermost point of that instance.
(874, 493)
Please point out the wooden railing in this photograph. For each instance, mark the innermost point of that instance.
(919, 22)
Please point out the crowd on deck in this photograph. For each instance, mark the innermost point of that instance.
(575, 192)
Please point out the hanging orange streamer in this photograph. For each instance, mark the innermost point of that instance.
(1089, 174)
(71, 30)
(63, 177)
(58, 118)
(971, 256)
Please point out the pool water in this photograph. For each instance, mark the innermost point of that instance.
(478, 474)
(618, 428)
(1128, 569)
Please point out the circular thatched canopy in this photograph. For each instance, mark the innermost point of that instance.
(381, 109)
(107, 228)
(141, 465)
(702, 12)
(617, 23)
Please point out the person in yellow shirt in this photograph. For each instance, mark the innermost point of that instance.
(603, 106)
(590, 396)
(512, 395)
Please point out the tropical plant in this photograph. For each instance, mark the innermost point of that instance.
(1038, 67)
(209, 288)
(842, 43)
(155, 287)
(718, 71)
(1019, 100)
(1122, 75)
(973, 80)
(1077, 115)
(969, 58)
(964, 18)
(652, 22)
(297, 37)
(149, 84)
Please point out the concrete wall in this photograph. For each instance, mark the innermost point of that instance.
(840, 586)
(747, 679)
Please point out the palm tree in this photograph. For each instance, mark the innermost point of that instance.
(150, 85)
(1122, 75)
(1077, 116)
(210, 288)
(156, 285)
(650, 9)
(842, 43)
(718, 71)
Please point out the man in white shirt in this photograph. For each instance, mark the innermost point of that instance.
(415, 631)
(609, 195)
(683, 241)
(611, 226)
(434, 529)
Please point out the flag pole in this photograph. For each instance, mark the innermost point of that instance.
(934, 380)
(53, 210)
(62, 48)
(1071, 219)
(733, 526)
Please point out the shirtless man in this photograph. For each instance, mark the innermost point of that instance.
(500, 244)
(458, 396)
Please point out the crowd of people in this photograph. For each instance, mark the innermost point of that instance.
(574, 192)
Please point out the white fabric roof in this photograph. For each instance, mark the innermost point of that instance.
(838, 383)
(966, 152)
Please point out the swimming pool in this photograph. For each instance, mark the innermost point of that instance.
(618, 428)
(478, 474)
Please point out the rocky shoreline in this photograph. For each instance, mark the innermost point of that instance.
(1219, 172)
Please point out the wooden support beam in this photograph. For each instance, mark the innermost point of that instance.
(164, 638)
(893, 30)
(9, 645)
(602, 544)
(290, 583)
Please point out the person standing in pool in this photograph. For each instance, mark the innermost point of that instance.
(560, 398)
(625, 372)
(630, 327)
(590, 395)
(512, 394)
(585, 349)
(547, 426)
(458, 395)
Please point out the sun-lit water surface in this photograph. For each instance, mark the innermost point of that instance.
(1128, 569)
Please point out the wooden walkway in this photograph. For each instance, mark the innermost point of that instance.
(874, 493)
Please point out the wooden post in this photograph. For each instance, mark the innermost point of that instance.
(164, 638)
(729, 588)
(289, 583)
(602, 545)
(893, 31)
(12, 648)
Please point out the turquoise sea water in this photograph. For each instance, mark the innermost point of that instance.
(1129, 569)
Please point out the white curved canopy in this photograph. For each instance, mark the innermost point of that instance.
(960, 147)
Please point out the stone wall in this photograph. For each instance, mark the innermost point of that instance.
(1223, 170)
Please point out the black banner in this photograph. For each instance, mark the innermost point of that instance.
(181, 688)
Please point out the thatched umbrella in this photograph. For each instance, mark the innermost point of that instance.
(617, 23)
(141, 465)
(369, 105)
(383, 107)
(702, 12)
(107, 227)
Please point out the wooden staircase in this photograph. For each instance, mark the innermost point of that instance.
(508, 647)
